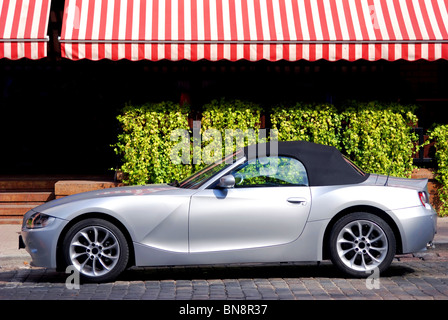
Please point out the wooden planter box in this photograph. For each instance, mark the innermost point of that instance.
(69, 187)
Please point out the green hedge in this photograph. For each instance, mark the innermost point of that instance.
(377, 137)
(145, 144)
(235, 122)
(319, 123)
(440, 136)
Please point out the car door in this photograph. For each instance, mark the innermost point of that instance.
(269, 205)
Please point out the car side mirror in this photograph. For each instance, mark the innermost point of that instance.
(226, 182)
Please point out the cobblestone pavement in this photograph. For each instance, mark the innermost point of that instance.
(419, 277)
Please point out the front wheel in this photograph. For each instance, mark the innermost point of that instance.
(97, 249)
(360, 243)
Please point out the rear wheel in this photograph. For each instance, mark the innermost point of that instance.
(360, 243)
(97, 249)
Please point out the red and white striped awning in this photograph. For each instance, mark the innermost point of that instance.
(23, 28)
(255, 29)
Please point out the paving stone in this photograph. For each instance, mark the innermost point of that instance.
(410, 278)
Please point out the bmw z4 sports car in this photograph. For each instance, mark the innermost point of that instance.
(303, 202)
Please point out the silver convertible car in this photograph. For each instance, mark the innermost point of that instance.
(299, 202)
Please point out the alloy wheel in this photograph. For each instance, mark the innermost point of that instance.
(94, 251)
(362, 245)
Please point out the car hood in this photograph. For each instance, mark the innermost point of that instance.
(112, 192)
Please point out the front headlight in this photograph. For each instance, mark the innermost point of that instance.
(39, 220)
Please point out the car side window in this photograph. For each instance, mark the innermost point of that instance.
(271, 171)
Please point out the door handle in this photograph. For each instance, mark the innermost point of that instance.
(298, 200)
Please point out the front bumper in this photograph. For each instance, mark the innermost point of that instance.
(41, 243)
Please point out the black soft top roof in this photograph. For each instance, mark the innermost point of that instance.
(325, 165)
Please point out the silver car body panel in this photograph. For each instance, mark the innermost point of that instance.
(175, 226)
(235, 219)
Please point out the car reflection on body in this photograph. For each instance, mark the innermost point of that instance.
(303, 202)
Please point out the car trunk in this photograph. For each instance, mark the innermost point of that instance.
(417, 184)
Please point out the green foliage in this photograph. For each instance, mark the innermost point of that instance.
(440, 135)
(307, 122)
(145, 143)
(227, 125)
(378, 137)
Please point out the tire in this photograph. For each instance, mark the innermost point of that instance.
(356, 253)
(97, 249)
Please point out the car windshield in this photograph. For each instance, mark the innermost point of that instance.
(199, 178)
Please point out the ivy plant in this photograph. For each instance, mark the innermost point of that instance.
(145, 145)
(440, 136)
(376, 136)
(227, 125)
(379, 138)
(318, 123)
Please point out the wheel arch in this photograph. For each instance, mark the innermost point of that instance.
(361, 208)
(61, 265)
